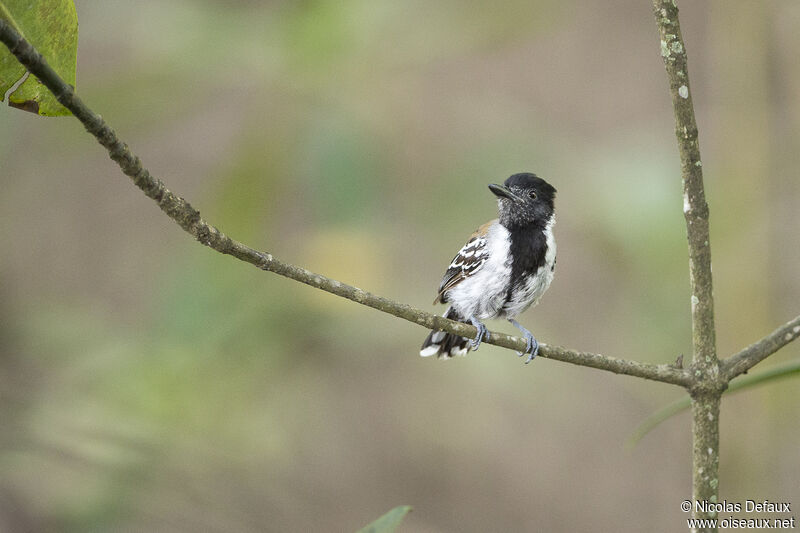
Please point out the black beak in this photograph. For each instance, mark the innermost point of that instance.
(501, 191)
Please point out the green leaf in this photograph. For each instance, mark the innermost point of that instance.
(51, 26)
(388, 522)
(681, 404)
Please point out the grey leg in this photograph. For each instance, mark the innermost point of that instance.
(531, 346)
(483, 333)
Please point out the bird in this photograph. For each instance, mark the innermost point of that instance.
(503, 269)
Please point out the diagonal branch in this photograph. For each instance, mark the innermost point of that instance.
(189, 219)
(758, 351)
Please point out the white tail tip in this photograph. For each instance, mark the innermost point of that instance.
(429, 350)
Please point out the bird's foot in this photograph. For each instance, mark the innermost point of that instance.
(531, 344)
(531, 347)
(483, 333)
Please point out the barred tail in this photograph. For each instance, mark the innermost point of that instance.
(445, 345)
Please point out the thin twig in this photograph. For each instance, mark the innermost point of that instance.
(760, 350)
(189, 219)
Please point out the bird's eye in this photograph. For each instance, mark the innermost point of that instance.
(532, 195)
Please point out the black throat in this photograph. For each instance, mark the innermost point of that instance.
(528, 248)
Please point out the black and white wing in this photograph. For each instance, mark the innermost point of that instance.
(467, 261)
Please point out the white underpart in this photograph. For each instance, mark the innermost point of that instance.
(481, 294)
(538, 283)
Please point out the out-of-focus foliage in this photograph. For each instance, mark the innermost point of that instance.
(790, 369)
(149, 384)
(52, 27)
(388, 522)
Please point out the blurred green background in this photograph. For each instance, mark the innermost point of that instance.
(150, 384)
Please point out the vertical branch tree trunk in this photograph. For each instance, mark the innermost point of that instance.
(708, 384)
(705, 453)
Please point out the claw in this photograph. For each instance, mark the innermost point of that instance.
(531, 344)
(529, 340)
(483, 333)
(534, 351)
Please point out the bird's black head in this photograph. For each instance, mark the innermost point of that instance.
(525, 199)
